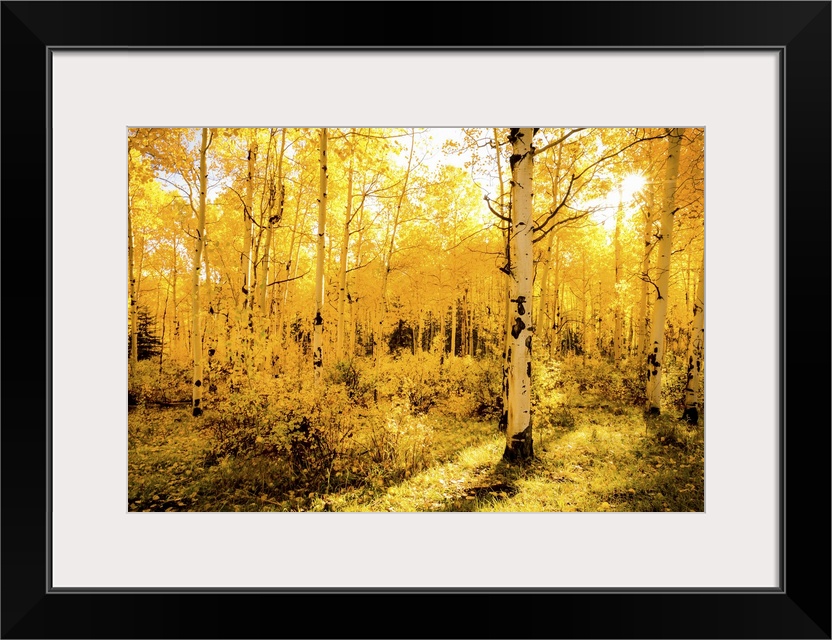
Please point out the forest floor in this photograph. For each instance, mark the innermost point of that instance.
(593, 456)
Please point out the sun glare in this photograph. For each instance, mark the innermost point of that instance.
(631, 185)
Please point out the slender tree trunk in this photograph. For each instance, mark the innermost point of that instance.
(355, 309)
(502, 424)
(519, 445)
(274, 208)
(442, 329)
(687, 331)
(644, 316)
(134, 306)
(471, 319)
(696, 353)
(209, 376)
(318, 323)
(542, 320)
(199, 243)
(553, 330)
(396, 220)
(248, 216)
(277, 198)
(242, 326)
(618, 325)
(586, 292)
(655, 359)
(342, 267)
(174, 351)
(453, 326)
(164, 320)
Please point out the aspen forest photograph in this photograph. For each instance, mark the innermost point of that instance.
(416, 319)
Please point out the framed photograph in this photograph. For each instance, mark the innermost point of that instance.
(79, 538)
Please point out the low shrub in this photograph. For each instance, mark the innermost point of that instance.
(399, 443)
(147, 385)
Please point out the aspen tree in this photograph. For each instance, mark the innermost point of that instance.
(519, 445)
(643, 332)
(553, 330)
(342, 267)
(391, 247)
(454, 320)
(617, 322)
(134, 342)
(199, 243)
(542, 317)
(318, 322)
(655, 357)
(506, 324)
(248, 217)
(276, 201)
(695, 353)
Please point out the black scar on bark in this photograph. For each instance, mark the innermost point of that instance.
(502, 425)
(529, 343)
(518, 327)
(529, 369)
(198, 383)
(508, 357)
(318, 319)
(521, 310)
(197, 412)
(522, 449)
(654, 411)
(211, 352)
(514, 159)
(197, 402)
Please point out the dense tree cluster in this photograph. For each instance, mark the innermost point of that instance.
(270, 253)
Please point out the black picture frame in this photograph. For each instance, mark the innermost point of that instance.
(800, 608)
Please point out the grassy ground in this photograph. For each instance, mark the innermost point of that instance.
(592, 455)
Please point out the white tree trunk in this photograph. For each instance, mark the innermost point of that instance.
(519, 429)
(453, 326)
(277, 198)
(553, 330)
(643, 332)
(542, 319)
(134, 306)
(696, 353)
(318, 322)
(506, 324)
(618, 324)
(342, 267)
(199, 243)
(246, 265)
(655, 357)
